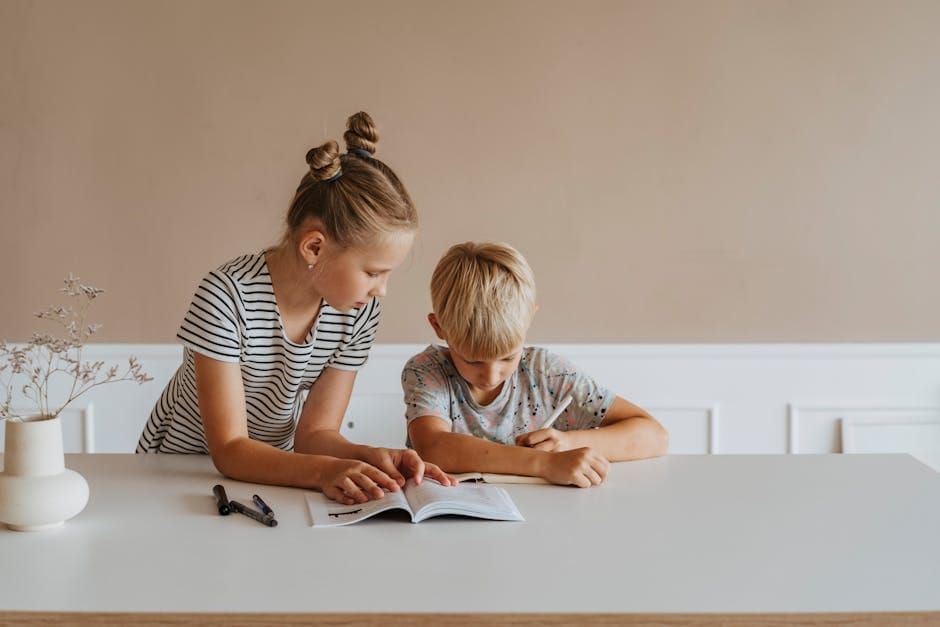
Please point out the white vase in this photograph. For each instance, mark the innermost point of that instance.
(37, 491)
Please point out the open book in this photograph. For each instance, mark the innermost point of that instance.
(422, 501)
(495, 477)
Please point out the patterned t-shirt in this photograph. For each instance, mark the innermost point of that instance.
(433, 387)
(234, 318)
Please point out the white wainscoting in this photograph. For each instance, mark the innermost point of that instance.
(753, 398)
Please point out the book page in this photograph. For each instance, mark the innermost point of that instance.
(495, 477)
(479, 501)
(467, 476)
(328, 513)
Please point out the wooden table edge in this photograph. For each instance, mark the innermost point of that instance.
(408, 619)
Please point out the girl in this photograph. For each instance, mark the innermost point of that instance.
(264, 328)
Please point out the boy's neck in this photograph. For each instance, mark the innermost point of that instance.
(485, 397)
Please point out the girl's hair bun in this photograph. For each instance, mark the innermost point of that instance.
(361, 132)
(324, 161)
(367, 199)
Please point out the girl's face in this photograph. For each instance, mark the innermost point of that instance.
(350, 277)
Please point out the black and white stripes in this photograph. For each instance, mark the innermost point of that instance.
(234, 318)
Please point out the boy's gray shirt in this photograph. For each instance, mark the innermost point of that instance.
(433, 387)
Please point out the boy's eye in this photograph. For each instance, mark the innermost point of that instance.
(373, 275)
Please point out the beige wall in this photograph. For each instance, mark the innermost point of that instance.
(701, 171)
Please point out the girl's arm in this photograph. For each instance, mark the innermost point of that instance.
(225, 419)
(320, 422)
(322, 416)
(627, 432)
(457, 452)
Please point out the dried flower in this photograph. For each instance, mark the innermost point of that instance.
(46, 356)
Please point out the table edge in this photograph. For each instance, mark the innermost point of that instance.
(406, 619)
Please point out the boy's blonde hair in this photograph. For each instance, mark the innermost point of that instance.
(483, 295)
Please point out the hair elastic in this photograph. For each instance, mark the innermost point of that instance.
(360, 152)
(338, 174)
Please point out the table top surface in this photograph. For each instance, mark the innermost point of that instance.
(725, 533)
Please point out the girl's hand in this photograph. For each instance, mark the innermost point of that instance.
(546, 440)
(583, 467)
(434, 472)
(400, 463)
(351, 481)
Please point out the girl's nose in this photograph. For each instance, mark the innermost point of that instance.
(379, 289)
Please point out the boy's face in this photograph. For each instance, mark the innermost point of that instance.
(486, 376)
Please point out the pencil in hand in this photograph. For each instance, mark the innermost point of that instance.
(555, 414)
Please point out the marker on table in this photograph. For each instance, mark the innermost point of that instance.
(555, 414)
(264, 519)
(221, 499)
(262, 505)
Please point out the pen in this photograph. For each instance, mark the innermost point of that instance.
(555, 414)
(262, 505)
(221, 499)
(264, 519)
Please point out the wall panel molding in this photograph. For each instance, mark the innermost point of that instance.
(719, 399)
(833, 413)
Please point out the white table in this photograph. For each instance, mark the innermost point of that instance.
(689, 538)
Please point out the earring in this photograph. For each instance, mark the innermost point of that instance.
(310, 266)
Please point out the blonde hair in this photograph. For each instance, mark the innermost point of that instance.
(483, 295)
(355, 197)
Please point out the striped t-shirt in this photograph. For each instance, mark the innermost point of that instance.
(234, 318)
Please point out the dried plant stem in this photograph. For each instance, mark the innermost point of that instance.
(45, 356)
(78, 358)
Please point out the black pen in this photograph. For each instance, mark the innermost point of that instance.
(221, 499)
(262, 505)
(264, 519)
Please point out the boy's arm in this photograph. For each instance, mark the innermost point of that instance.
(627, 432)
(457, 452)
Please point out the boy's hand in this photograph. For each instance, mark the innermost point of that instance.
(583, 467)
(546, 440)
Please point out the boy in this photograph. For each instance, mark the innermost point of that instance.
(473, 405)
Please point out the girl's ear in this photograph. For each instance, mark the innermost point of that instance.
(437, 328)
(311, 245)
